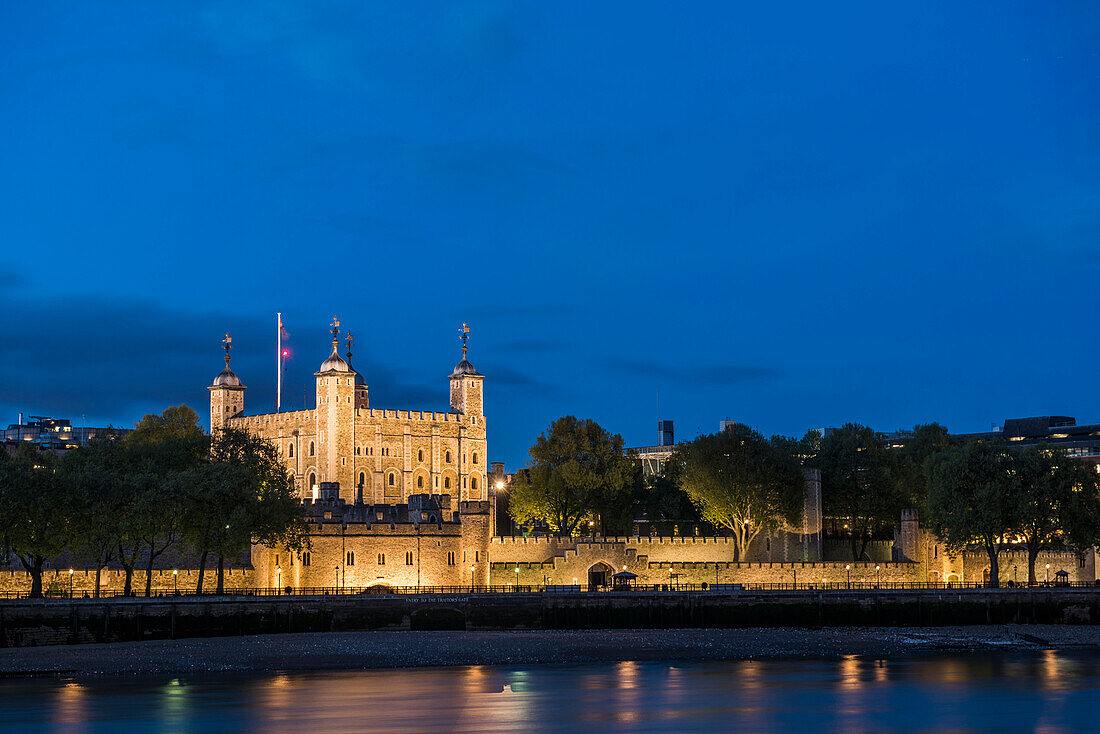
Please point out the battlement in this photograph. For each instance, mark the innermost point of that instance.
(473, 507)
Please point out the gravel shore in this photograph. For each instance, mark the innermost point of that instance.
(363, 650)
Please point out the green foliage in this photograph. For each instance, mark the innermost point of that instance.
(1057, 503)
(857, 484)
(972, 494)
(577, 471)
(740, 480)
(908, 463)
(35, 510)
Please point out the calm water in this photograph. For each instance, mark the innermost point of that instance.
(1045, 692)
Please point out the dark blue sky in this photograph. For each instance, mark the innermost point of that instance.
(793, 215)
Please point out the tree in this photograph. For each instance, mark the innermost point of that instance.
(34, 510)
(908, 463)
(252, 498)
(577, 470)
(92, 473)
(741, 481)
(972, 494)
(1057, 503)
(856, 483)
(160, 448)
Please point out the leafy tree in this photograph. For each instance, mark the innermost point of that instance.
(856, 483)
(661, 499)
(92, 473)
(160, 448)
(741, 481)
(577, 470)
(1057, 503)
(972, 494)
(34, 510)
(251, 498)
(908, 465)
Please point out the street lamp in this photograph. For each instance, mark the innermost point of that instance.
(471, 577)
(278, 578)
(878, 573)
(336, 583)
(848, 568)
(71, 582)
(1048, 574)
(175, 581)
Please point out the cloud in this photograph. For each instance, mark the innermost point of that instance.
(116, 358)
(718, 374)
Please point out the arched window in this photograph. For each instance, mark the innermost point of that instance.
(420, 455)
(391, 480)
(290, 450)
(312, 448)
(381, 559)
(448, 457)
(446, 482)
(312, 481)
(305, 558)
(475, 457)
(351, 558)
(362, 478)
(357, 450)
(408, 558)
(473, 483)
(420, 482)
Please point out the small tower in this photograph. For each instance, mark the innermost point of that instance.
(466, 383)
(362, 398)
(335, 417)
(226, 394)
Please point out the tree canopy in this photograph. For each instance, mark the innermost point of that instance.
(577, 472)
(740, 480)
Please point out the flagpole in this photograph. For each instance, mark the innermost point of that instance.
(279, 363)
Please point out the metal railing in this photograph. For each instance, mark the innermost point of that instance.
(163, 594)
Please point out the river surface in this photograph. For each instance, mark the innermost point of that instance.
(1046, 691)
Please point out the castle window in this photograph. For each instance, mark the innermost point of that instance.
(477, 556)
(408, 558)
(381, 559)
(450, 558)
(290, 450)
(420, 482)
(448, 457)
(420, 455)
(343, 461)
(276, 559)
(446, 482)
(312, 448)
(351, 558)
(305, 558)
(475, 457)
(473, 483)
(362, 478)
(391, 480)
(357, 450)
(312, 481)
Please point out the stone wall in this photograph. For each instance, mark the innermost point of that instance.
(112, 581)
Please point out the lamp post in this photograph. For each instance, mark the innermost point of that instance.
(471, 577)
(336, 582)
(71, 582)
(279, 579)
(848, 569)
(878, 575)
(1048, 574)
(175, 582)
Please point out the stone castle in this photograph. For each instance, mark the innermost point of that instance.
(404, 498)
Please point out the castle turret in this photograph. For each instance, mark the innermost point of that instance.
(335, 418)
(362, 397)
(466, 383)
(226, 394)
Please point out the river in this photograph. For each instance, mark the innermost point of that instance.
(1046, 691)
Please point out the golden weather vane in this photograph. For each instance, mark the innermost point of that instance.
(349, 339)
(465, 334)
(335, 331)
(228, 342)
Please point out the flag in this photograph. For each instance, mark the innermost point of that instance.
(282, 329)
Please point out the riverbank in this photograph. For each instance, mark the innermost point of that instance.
(365, 650)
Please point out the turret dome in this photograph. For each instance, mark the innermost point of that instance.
(464, 368)
(334, 363)
(227, 379)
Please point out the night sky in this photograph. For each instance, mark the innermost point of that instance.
(793, 215)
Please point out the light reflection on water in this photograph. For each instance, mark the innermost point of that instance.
(1048, 691)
